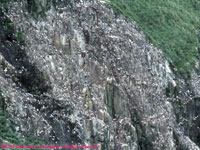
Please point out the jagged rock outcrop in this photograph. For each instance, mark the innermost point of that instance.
(87, 76)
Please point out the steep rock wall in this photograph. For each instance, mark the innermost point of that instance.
(106, 83)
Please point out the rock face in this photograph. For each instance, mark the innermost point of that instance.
(87, 76)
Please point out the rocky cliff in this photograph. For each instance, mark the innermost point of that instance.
(74, 73)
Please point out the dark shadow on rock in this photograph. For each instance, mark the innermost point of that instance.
(27, 73)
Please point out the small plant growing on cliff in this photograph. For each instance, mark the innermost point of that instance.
(35, 90)
(8, 132)
(20, 38)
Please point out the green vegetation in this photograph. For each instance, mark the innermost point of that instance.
(9, 27)
(8, 134)
(3, 5)
(37, 9)
(171, 25)
(87, 98)
(110, 99)
(20, 38)
(35, 90)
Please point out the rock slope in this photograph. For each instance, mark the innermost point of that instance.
(87, 76)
